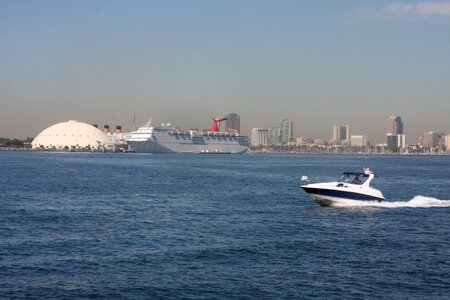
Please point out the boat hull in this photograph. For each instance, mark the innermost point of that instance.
(171, 145)
(328, 197)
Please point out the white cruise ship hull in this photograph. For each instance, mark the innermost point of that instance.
(186, 144)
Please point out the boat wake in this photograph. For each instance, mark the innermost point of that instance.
(416, 202)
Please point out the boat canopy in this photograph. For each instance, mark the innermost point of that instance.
(353, 177)
(356, 173)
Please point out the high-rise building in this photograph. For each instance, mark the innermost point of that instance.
(341, 133)
(259, 137)
(394, 133)
(447, 142)
(274, 136)
(394, 125)
(431, 139)
(233, 122)
(291, 131)
(286, 131)
(395, 141)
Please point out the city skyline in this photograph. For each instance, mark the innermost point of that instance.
(184, 62)
(341, 135)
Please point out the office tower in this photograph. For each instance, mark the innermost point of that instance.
(442, 139)
(341, 133)
(286, 131)
(259, 137)
(291, 130)
(335, 134)
(345, 133)
(431, 139)
(274, 136)
(394, 125)
(394, 133)
(395, 141)
(233, 122)
(447, 142)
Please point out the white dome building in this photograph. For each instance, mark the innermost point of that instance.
(71, 135)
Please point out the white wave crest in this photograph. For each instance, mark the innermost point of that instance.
(416, 202)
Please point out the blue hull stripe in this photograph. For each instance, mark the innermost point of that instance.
(340, 194)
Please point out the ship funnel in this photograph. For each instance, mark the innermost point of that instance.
(216, 125)
(118, 129)
(106, 129)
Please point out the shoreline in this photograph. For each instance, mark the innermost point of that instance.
(13, 149)
(348, 154)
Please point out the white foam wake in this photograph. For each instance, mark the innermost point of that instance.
(417, 202)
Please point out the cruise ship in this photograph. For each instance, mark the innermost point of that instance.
(169, 139)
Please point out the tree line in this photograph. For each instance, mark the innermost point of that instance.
(15, 143)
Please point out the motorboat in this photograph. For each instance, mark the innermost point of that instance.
(351, 186)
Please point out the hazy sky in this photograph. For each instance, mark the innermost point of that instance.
(315, 62)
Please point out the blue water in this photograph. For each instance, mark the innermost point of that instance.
(200, 227)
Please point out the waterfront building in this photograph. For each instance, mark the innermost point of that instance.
(395, 142)
(341, 134)
(292, 143)
(320, 142)
(274, 136)
(286, 131)
(336, 133)
(310, 140)
(431, 139)
(359, 140)
(291, 130)
(260, 137)
(73, 135)
(447, 143)
(233, 122)
(394, 133)
(301, 141)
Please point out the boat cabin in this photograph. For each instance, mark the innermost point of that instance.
(353, 178)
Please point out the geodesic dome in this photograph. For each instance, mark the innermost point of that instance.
(69, 135)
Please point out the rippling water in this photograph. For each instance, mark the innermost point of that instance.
(196, 226)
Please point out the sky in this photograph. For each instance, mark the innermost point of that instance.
(317, 63)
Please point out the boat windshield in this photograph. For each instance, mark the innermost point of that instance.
(353, 178)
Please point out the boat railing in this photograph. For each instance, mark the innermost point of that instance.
(219, 133)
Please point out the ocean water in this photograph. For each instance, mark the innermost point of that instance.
(114, 226)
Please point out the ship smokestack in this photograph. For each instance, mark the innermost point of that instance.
(215, 126)
(106, 129)
(118, 129)
(95, 125)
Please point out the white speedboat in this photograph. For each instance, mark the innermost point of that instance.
(351, 186)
